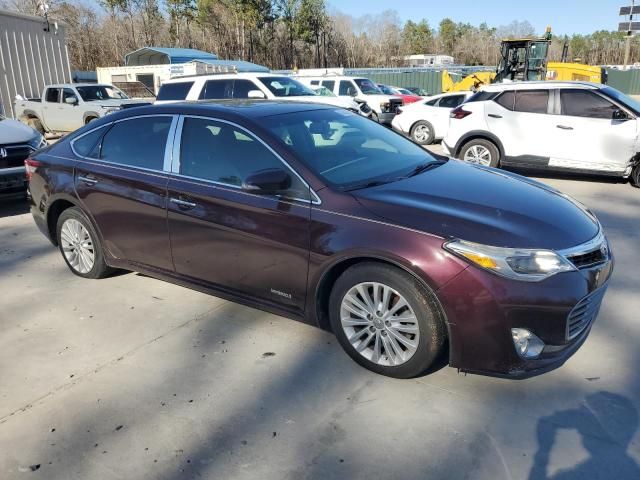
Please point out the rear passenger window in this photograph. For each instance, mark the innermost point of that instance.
(88, 145)
(241, 88)
(532, 101)
(451, 101)
(53, 95)
(330, 84)
(315, 82)
(139, 142)
(582, 103)
(507, 100)
(222, 153)
(174, 91)
(216, 89)
(432, 103)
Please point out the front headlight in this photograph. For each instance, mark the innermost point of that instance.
(108, 110)
(385, 106)
(529, 265)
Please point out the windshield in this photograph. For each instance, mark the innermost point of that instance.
(622, 98)
(286, 87)
(404, 91)
(100, 92)
(386, 89)
(367, 86)
(347, 150)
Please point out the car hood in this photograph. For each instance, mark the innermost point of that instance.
(482, 205)
(12, 131)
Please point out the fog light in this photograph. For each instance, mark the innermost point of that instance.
(526, 343)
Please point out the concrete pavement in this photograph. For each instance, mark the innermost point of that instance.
(133, 378)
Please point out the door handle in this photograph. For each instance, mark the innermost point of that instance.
(564, 127)
(183, 204)
(493, 115)
(87, 180)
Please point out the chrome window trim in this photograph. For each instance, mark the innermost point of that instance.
(594, 244)
(175, 164)
(111, 124)
(168, 147)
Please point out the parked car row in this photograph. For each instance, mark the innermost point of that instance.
(17, 142)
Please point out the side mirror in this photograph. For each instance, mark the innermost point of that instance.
(267, 182)
(71, 100)
(255, 94)
(619, 115)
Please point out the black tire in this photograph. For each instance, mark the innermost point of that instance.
(100, 268)
(423, 302)
(481, 142)
(427, 126)
(89, 120)
(635, 176)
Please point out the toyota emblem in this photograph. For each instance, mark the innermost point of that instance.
(3, 153)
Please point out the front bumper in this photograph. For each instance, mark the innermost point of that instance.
(385, 117)
(482, 308)
(12, 180)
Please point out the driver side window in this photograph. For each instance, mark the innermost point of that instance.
(347, 88)
(222, 153)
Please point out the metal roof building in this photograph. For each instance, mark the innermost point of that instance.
(33, 53)
(163, 56)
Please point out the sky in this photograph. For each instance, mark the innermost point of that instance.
(564, 16)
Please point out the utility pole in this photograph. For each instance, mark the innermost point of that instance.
(630, 27)
(627, 41)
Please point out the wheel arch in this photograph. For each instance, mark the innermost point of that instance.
(54, 211)
(332, 272)
(479, 134)
(88, 115)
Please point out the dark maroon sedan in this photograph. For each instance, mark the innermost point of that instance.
(318, 214)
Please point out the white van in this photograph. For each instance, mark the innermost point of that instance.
(361, 90)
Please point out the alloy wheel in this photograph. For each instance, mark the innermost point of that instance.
(77, 246)
(478, 155)
(380, 324)
(421, 133)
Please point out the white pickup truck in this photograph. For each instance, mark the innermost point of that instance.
(66, 107)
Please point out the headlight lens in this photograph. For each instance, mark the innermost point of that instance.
(385, 106)
(529, 265)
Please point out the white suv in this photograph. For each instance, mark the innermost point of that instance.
(567, 126)
(361, 90)
(244, 85)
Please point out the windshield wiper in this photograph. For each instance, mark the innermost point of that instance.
(374, 183)
(424, 167)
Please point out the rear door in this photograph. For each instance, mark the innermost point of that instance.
(121, 183)
(51, 109)
(226, 237)
(522, 120)
(588, 137)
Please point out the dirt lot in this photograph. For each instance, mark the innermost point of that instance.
(133, 378)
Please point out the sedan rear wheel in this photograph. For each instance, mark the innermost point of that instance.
(80, 245)
(422, 133)
(386, 320)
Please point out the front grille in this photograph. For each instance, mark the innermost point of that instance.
(365, 108)
(584, 313)
(15, 155)
(588, 259)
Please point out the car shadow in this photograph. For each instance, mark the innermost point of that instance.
(13, 205)
(606, 423)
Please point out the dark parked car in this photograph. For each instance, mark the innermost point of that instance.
(17, 142)
(318, 214)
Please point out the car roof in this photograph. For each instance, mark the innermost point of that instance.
(75, 85)
(539, 85)
(248, 109)
(221, 76)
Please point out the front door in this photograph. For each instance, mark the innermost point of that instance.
(226, 237)
(588, 137)
(121, 182)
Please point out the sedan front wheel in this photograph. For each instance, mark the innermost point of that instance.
(386, 320)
